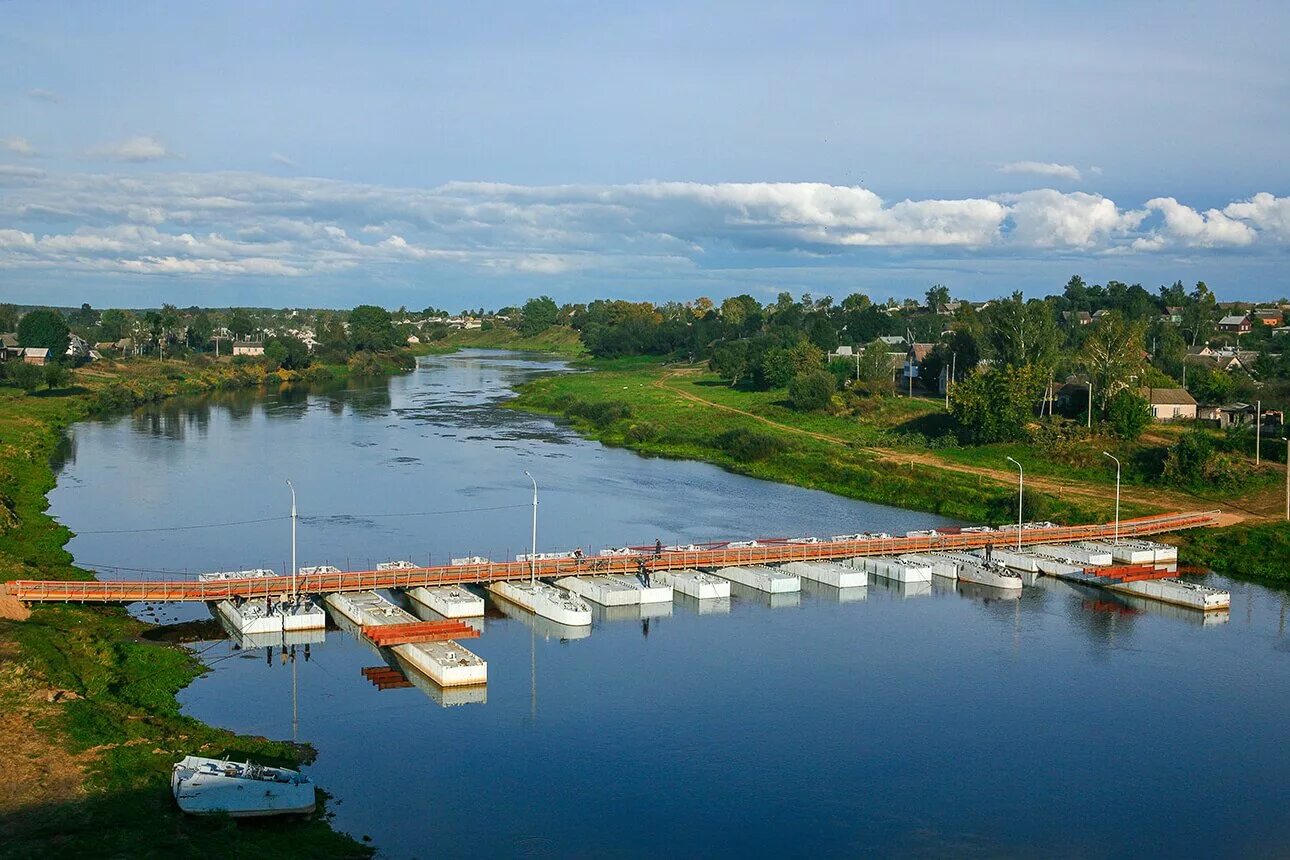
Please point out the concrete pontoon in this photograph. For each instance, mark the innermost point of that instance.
(1136, 551)
(827, 573)
(891, 567)
(558, 604)
(761, 578)
(1179, 593)
(616, 590)
(544, 627)
(944, 565)
(256, 616)
(1073, 553)
(975, 569)
(446, 663)
(450, 601)
(693, 583)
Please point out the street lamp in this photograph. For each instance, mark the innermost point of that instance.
(293, 541)
(533, 553)
(1090, 403)
(1117, 494)
(1021, 489)
(1287, 441)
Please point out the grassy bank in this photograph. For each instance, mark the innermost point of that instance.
(627, 403)
(1257, 551)
(91, 725)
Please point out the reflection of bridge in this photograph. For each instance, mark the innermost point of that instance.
(720, 555)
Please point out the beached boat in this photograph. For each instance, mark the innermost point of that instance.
(209, 786)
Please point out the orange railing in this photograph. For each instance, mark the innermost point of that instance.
(99, 591)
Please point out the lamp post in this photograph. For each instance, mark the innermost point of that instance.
(293, 541)
(1021, 489)
(1117, 494)
(533, 552)
(1258, 429)
(1090, 403)
(1287, 441)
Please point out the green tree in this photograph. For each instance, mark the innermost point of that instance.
(538, 315)
(240, 324)
(811, 390)
(200, 330)
(25, 376)
(1022, 333)
(287, 352)
(372, 329)
(8, 317)
(112, 324)
(777, 367)
(994, 405)
(1199, 314)
(45, 328)
(1127, 414)
(874, 374)
(1112, 356)
(937, 295)
(55, 375)
(730, 361)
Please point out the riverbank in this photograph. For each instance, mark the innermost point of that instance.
(91, 725)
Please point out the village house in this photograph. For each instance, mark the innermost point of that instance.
(1235, 324)
(37, 355)
(1077, 317)
(1223, 358)
(1169, 404)
(1172, 315)
(248, 347)
(1271, 317)
(77, 347)
(9, 346)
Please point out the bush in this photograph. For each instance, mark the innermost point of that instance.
(1192, 461)
(364, 364)
(28, 377)
(643, 431)
(811, 390)
(601, 413)
(749, 445)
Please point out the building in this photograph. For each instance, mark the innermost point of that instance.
(1235, 324)
(248, 347)
(1271, 317)
(1169, 404)
(1230, 415)
(77, 347)
(914, 358)
(1225, 358)
(37, 355)
(1077, 317)
(9, 346)
(1173, 315)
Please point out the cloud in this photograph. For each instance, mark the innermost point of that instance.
(1044, 168)
(43, 95)
(138, 148)
(18, 146)
(278, 158)
(228, 224)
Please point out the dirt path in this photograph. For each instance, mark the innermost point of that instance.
(1256, 508)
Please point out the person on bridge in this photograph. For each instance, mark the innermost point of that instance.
(658, 547)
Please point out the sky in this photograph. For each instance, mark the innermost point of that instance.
(466, 155)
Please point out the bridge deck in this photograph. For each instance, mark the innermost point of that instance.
(109, 591)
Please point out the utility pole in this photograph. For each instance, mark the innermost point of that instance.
(1258, 429)
(1117, 494)
(1090, 403)
(1287, 441)
(1021, 489)
(294, 596)
(533, 552)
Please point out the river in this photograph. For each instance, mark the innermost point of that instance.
(949, 722)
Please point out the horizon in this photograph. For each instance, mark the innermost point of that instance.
(329, 156)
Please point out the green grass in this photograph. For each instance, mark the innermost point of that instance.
(689, 430)
(1246, 551)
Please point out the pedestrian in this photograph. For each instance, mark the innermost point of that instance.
(658, 547)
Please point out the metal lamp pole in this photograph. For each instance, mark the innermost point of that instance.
(293, 541)
(533, 553)
(1258, 430)
(1287, 441)
(1021, 490)
(1090, 404)
(1117, 494)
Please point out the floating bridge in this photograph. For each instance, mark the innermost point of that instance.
(636, 560)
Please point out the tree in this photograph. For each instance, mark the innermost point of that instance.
(730, 360)
(200, 330)
(8, 317)
(538, 315)
(811, 390)
(25, 376)
(112, 324)
(240, 324)
(1112, 356)
(44, 328)
(287, 352)
(56, 376)
(372, 329)
(873, 369)
(1021, 333)
(1127, 414)
(937, 296)
(994, 405)
(1199, 314)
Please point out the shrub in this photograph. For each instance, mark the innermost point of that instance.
(601, 413)
(811, 390)
(749, 445)
(364, 364)
(1127, 414)
(643, 431)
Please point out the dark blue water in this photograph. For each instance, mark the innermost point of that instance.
(947, 722)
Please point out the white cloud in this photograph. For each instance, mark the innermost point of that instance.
(138, 148)
(279, 158)
(43, 95)
(1206, 230)
(18, 146)
(226, 224)
(1044, 168)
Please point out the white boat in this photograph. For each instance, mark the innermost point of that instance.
(209, 786)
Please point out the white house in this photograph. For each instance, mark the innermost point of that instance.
(248, 347)
(1169, 404)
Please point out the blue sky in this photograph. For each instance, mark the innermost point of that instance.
(306, 153)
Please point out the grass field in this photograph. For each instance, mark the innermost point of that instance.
(558, 340)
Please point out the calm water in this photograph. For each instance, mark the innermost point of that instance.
(947, 723)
